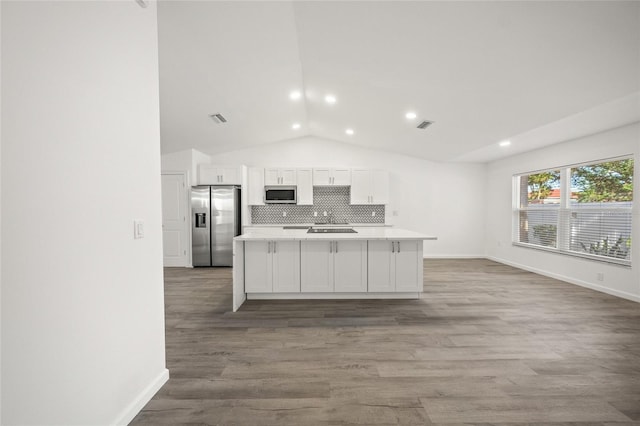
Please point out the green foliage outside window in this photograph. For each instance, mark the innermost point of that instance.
(540, 185)
(611, 181)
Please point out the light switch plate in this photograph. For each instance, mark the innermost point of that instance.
(138, 229)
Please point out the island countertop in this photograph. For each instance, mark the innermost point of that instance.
(362, 233)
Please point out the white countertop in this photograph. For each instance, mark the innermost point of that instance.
(363, 233)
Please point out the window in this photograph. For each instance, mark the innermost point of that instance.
(583, 210)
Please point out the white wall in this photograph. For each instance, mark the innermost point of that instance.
(442, 199)
(82, 301)
(618, 280)
(185, 161)
(0, 211)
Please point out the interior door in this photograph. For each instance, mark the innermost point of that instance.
(174, 222)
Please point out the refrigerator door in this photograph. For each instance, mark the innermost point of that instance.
(225, 219)
(201, 226)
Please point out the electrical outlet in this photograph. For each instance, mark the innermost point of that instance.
(324, 213)
(600, 276)
(284, 214)
(315, 214)
(373, 214)
(395, 213)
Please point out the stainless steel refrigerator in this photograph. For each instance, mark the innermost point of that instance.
(215, 215)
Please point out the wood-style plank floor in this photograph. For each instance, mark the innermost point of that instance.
(487, 344)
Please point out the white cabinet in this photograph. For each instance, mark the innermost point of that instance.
(305, 186)
(350, 266)
(209, 174)
(395, 266)
(279, 176)
(327, 176)
(316, 266)
(255, 186)
(333, 266)
(272, 266)
(369, 186)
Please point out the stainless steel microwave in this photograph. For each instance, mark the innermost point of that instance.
(280, 194)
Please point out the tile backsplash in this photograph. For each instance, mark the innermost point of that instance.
(334, 199)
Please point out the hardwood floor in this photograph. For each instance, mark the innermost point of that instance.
(487, 344)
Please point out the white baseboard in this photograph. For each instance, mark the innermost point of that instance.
(142, 399)
(596, 287)
(331, 296)
(454, 256)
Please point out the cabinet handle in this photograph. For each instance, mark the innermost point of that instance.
(330, 246)
(268, 247)
(393, 247)
(398, 246)
(275, 244)
(336, 246)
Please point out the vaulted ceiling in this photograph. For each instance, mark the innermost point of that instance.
(483, 72)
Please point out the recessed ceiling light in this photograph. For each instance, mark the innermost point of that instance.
(295, 95)
(349, 132)
(330, 99)
(295, 126)
(505, 143)
(411, 115)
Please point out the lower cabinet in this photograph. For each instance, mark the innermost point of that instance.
(272, 266)
(345, 266)
(395, 266)
(333, 266)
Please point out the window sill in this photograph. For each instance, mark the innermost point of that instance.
(603, 259)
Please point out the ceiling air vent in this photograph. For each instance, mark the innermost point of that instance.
(425, 124)
(218, 118)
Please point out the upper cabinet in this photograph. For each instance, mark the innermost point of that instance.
(273, 176)
(327, 176)
(210, 174)
(305, 186)
(255, 186)
(258, 178)
(369, 186)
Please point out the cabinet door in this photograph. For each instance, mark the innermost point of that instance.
(208, 175)
(321, 177)
(341, 177)
(271, 176)
(379, 187)
(255, 186)
(316, 267)
(305, 186)
(286, 266)
(360, 186)
(258, 270)
(350, 266)
(288, 176)
(408, 265)
(379, 269)
(230, 175)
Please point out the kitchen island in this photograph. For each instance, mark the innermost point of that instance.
(370, 263)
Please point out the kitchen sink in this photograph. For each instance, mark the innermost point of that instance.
(331, 231)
